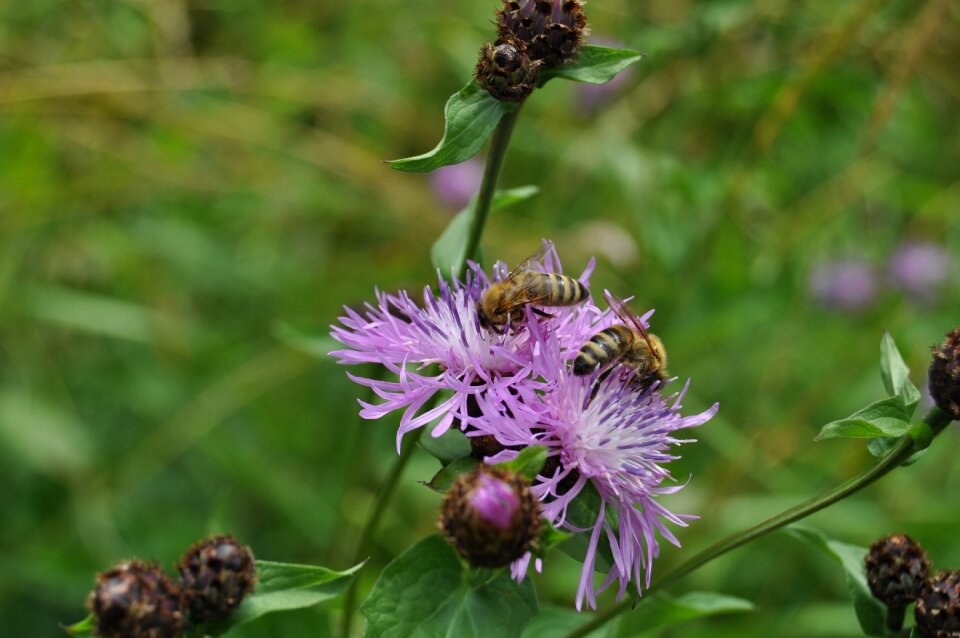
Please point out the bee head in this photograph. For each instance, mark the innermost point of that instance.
(482, 316)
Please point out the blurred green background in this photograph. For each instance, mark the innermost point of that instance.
(188, 185)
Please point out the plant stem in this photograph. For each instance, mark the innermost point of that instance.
(379, 507)
(491, 171)
(935, 419)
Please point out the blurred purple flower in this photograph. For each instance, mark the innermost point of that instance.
(843, 284)
(601, 430)
(454, 185)
(919, 269)
(495, 501)
(407, 339)
(591, 97)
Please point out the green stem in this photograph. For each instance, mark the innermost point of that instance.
(491, 172)
(379, 508)
(488, 186)
(935, 420)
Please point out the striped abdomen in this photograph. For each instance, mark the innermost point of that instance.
(551, 289)
(604, 347)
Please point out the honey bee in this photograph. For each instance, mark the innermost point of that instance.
(505, 300)
(627, 342)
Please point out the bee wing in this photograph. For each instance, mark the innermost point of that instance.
(525, 264)
(528, 293)
(629, 317)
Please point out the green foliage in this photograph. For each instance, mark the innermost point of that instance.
(449, 473)
(529, 461)
(428, 592)
(471, 115)
(661, 611)
(583, 513)
(596, 65)
(871, 613)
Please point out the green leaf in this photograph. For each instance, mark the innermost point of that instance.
(583, 512)
(661, 611)
(887, 417)
(471, 115)
(881, 446)
(450, 249)
(529, 462)
(82, 628)
(551, 537)
(447, 447)
(596, 65)
(427, 592)
(443, 479)
(557, 622)
(896, 374)
(283, 587)
(871, 613)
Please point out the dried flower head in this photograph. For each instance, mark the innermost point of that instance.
(217, 573)
(490, 517)
(602, 431)
(938, 609)
(136, 599)
(550, 31)
(945, 374)
(897, 569)
(506, 71)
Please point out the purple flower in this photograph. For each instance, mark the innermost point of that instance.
(919, 269)
(494, 501)
(441, 346)
(454, 185)
(843, 284)
(601, 430)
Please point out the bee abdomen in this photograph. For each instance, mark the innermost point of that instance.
(602, 348)
(565, 291)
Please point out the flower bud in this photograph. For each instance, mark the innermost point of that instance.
(551, 31)
(490, 517)
(506, 71)
(938, 609)
(216, 574)
(945, 374)
(897, 568)
(136, 599)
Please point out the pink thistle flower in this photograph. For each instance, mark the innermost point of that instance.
(603, 431)
(441, 346)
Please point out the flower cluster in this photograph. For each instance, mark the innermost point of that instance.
(136, 599)
(608, 437)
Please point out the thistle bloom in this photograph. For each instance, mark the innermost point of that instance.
(440, 346)
(603, 432)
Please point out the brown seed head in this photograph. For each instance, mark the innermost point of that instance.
(938, 609)
(136, 599)
(945, 374)
(217, 573)
(550, 31)
(490, 517)
(506, 71)
(897, 568)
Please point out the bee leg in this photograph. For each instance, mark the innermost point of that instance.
(540, 313)
(596, 386)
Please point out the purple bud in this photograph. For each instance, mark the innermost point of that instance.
(843, 284)
(494, 500)
(919, 269)
(455, 185)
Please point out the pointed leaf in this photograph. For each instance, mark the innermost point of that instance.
(443, 479)
(887, 417)
(661, 611)
(896, 374)
(528, 463)
(551, 537)
(82, 628)
(871, 613)
(283, 587)
(557, 622)
(450, 250)
(596, 65)
(447, 447)
(471, 115)
(427, 592)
